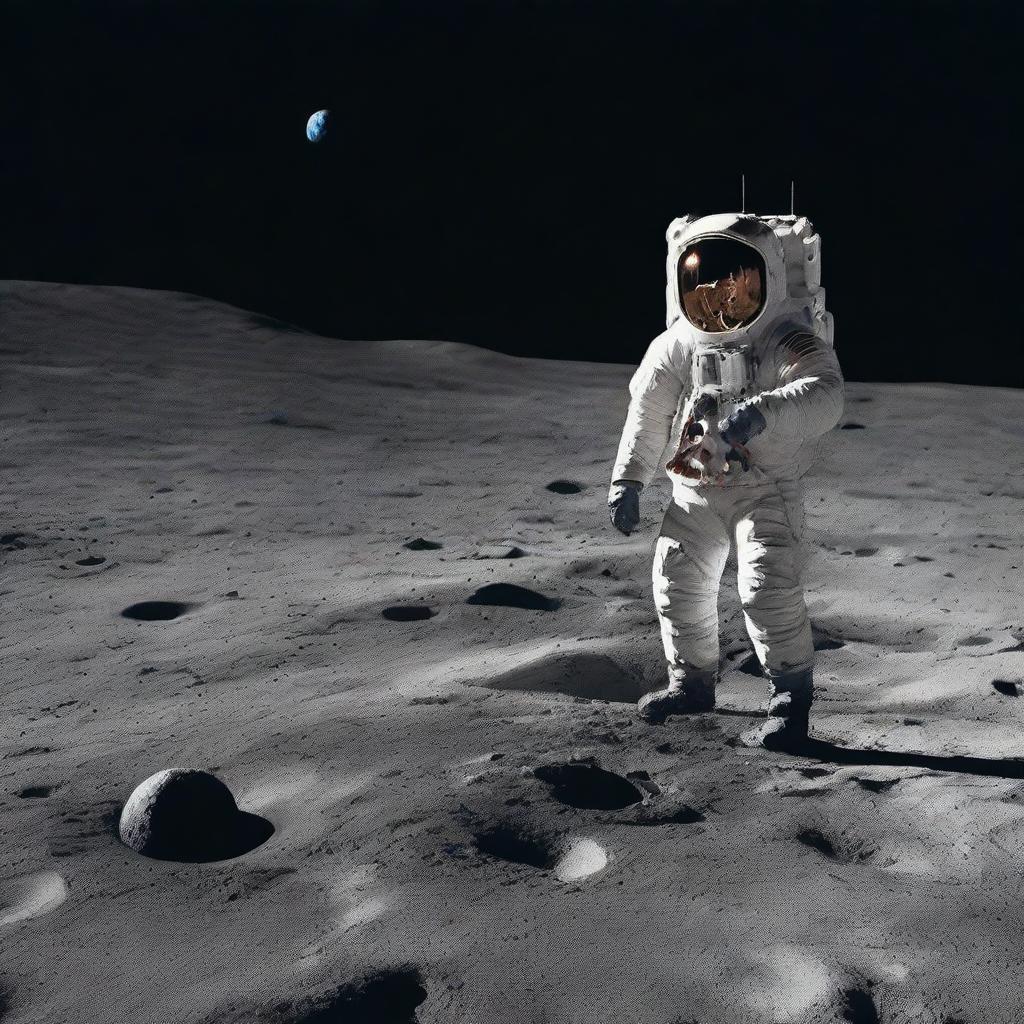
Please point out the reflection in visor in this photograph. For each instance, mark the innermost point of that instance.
(721, 284)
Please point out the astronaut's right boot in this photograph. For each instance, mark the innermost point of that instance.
(689, 692)
(788, 713)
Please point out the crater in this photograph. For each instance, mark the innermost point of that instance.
(155, 611)
(859, 1007)
(1006, 687)
(36, 792)
(852, 426)
(385, 997)
(565, 487)
(510, 595)
(974, 641)
(408, 612)
(817, 841)
(518, 845)
(865, 552)
(594, 676)
(91, 560)
(588, 786)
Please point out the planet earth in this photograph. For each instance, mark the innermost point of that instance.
(316, 126)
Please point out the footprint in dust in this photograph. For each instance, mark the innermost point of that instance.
(588, 786)
(510, 595)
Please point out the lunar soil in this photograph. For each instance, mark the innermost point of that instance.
(372, 588)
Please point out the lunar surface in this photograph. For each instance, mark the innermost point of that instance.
(372, 588)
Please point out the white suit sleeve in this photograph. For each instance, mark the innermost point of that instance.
(655, 390)
(809, 399)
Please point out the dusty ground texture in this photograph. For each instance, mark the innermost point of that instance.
(161, 447)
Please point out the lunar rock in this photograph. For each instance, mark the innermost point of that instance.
(186, 815)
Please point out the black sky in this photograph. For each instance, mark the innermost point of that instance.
(503, 173)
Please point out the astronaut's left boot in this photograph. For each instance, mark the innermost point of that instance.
(788, 713)
(688, 693)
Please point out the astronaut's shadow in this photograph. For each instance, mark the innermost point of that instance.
(833, 753)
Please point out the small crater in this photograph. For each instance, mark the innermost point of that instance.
(865, 552)
(877, 785)
(852, 426)
(91, 560)
(1006, 687)
(814, 773)
(923, 558)
(518, 845)
(817, 841)
(589, 787)
(421, 544)
(502, 551)
(565, 487)
(859, 1007)
(408, 612)
(155, 611)
(36, 792)
(682, 814)
(387, 997)
(974, 641)
(510, 595)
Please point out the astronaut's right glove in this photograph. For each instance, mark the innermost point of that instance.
(624, 505)
(743, 424)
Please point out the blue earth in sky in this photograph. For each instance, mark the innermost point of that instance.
(316, 126)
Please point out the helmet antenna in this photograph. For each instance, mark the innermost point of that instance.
(743, 193)
(792, 204)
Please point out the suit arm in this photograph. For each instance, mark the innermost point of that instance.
(810, 397)
(655, 390)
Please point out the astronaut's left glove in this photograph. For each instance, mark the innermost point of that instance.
(740, 426)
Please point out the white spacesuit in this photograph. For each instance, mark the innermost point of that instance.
(747, 372)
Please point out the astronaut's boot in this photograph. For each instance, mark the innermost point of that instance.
(788, 712)
(689, 692)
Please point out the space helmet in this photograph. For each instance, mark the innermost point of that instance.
(731, 275)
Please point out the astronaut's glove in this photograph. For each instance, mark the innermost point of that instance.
(740, 426)
(624, 505)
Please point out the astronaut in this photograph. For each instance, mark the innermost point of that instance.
(734, 391)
